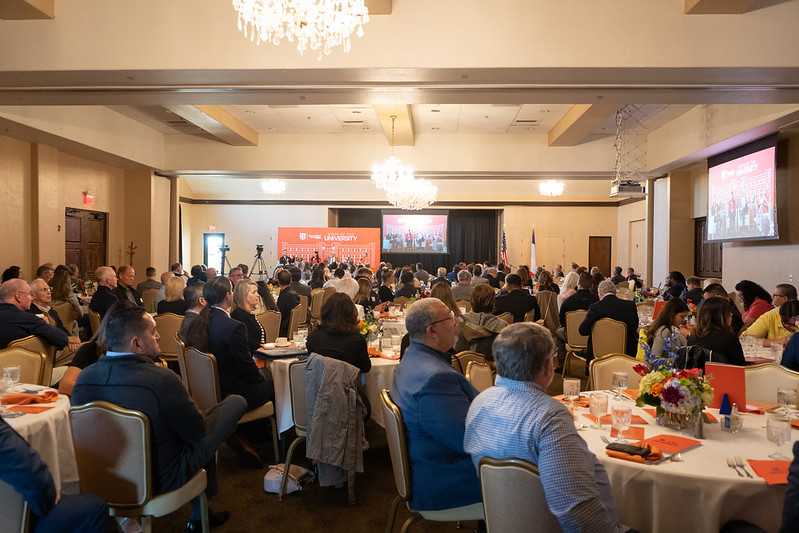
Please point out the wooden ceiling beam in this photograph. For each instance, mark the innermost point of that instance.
(218, 122)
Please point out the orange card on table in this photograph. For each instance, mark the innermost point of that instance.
(651, 411)
(759, 407)
(32, 409)
(632, 433)
(631, 393)
(729, 380)
(592, 418)
(672, 443)
(635, 419)
(774, 472)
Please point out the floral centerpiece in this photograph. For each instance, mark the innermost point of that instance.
(679, 396)
(646, 293)
(369, 327)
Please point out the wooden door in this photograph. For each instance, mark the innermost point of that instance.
(599, 254)
(707, 256)
(85, 239)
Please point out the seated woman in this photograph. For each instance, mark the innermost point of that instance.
(524, 273)
(443, 292)
(569, 286)
(756, 301)
(317, 278)
(479, 327)
(368, 298)
(547, 283)
(61, 285)
(337, 335)
(789, 314)
(266, 302)
(385, 293)
(245, 298)
(714, 332)
(174, 302)
(667, 325)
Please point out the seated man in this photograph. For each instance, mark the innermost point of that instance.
(23, 469)
(184, 439)
(434, 398)
(516, 301)
(769, 325)
(693, 291)
(617, 277)
(609, 306)
(124, 290)
(517, 419)
(150, 282)
(42, 296)
(104, 297)
(15, 320)
(195, 302)
(582, 299)
(286, 301)
(462, 290)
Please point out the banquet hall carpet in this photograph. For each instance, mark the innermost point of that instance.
(322, 509)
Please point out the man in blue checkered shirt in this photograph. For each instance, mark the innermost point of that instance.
(516, 418)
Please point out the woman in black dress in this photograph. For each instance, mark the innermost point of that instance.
(245, 298)
(714, 332)
(174, 302)
(337, 335)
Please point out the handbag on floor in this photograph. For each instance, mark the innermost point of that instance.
(297, 479)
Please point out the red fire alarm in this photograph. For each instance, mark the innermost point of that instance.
(88, 199)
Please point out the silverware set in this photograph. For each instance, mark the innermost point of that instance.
(737, 462)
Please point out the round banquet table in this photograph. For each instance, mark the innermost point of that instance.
(380, 377)
(50, 434)
(698, 494)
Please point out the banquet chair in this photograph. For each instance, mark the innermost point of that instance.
(623, 292)
(466, 304)
(94, 320)
(167, 325)
(66, 312)
(327, 293)
(298, 415)
(400, 462)
(148, 300)
(31, 363)
(202, 377)
(14, 513)
(304, 304)
(548, 303)
(514, 497)
(113, 450)
(574, 341)
(317, 296)
(529, 316)
(270, 321)
(295, 320)
(507, 317)
(763, 380)
(35, 344)
(402, 302)
(608, 336)
(480, 375)
(734, 298)
(462, 359)
(180, 349)
(600, 371)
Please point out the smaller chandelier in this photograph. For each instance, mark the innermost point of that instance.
(391, 172)
(273, 186)
(319, 25)
(551, 188)
(412, 194)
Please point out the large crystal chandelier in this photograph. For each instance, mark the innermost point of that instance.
(316, 24)
(391, 172)
(412, 195)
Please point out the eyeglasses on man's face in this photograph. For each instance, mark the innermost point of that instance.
(450, 317)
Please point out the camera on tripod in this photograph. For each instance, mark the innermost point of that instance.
(225, 248)
(259, 248)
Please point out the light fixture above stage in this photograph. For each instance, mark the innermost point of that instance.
(551, 188)
(273, 186)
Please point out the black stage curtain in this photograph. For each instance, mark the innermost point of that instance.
(471, 233)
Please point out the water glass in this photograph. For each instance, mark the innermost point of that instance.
(299, 337)
(621, 416)
(598, 405)
(620, 382)
(571, 388)
(778, 430)
(396, 342)
(786, 398)
(11, 374)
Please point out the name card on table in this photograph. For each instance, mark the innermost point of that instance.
(672, 443)
(729, 380)
(774, 472)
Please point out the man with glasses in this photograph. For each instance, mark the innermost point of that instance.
(40, 306)
(434, 399)
(769, 325)
(16, 322)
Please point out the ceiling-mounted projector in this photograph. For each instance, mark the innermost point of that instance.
(627, 189)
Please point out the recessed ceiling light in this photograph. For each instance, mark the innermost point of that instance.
(434, 128)
(435, 111)
(356, 112)
(249, 111)
(543, 110)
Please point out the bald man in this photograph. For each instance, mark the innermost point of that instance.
(15, 320)
(104, 296)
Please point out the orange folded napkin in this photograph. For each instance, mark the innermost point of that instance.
(24, 398)
(631, 393)
(32, 409)
(635, 419)
(774, 472)
(795, 423)
(651, 411)
(759, 407)
(581, 401)
(631, 433)
(654, 453)
(374, 352)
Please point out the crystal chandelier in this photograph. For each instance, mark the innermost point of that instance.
(391, 172)
(316, 24)
(412, 194)
(273, 186)
(551, 188)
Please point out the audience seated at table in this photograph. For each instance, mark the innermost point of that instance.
(406, 288)
(150, 282)
(596, 279)
(713, 331)
(667, 329)
(440, 278)
(463, 289)
(245, 298)
(515, 300)
(266, 302)
(287, 301)
(317, 277)
(516, 419)
(124, 289)
(434, 399)
(337, 335)
(693, 291)
(24, 470)
(195, 302)
(296, 285)
(12, 272)
(569, 286)
(717, 290)
(547, 283)
(444, 293)
(103, 296)
(756, 300)
(184, 439)
(385, 293)
(524, 273)
(617, 276)
(579, 300)
(173, 301)
(479, 327)
(16, 322)
(609, 306)
(368, 298)
(789, 314)
(63, 293)
(675, 284)
(769, 325)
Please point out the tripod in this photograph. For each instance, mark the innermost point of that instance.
(259, 262)
(225, 260)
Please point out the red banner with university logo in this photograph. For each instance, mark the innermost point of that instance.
(362, 245)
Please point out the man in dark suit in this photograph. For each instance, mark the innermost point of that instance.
(491, 275)
(693, 291)
(15, 320)
(617, 277)
(124, 290)
(516, 301)
(609, 306)
(300, 288)
(287, 301)
(442, 277)
(104, 297)
(582, 299)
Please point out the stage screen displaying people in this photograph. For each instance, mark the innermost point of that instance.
(741, 198)
(424, 233)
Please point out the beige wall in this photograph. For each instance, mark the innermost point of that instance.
(15, 216)
(630, 249)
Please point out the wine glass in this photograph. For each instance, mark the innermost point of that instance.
(598, 405)
(619, 382)
(778, 430)
(299, 337)
(786, 398)
(621, 417)
(571, 388)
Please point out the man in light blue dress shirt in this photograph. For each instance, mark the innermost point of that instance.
(516, 418)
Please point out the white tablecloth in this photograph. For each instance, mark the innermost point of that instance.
(700, 493)
(380, 377)
(50, 434)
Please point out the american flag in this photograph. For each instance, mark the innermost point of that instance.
(504, 251)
